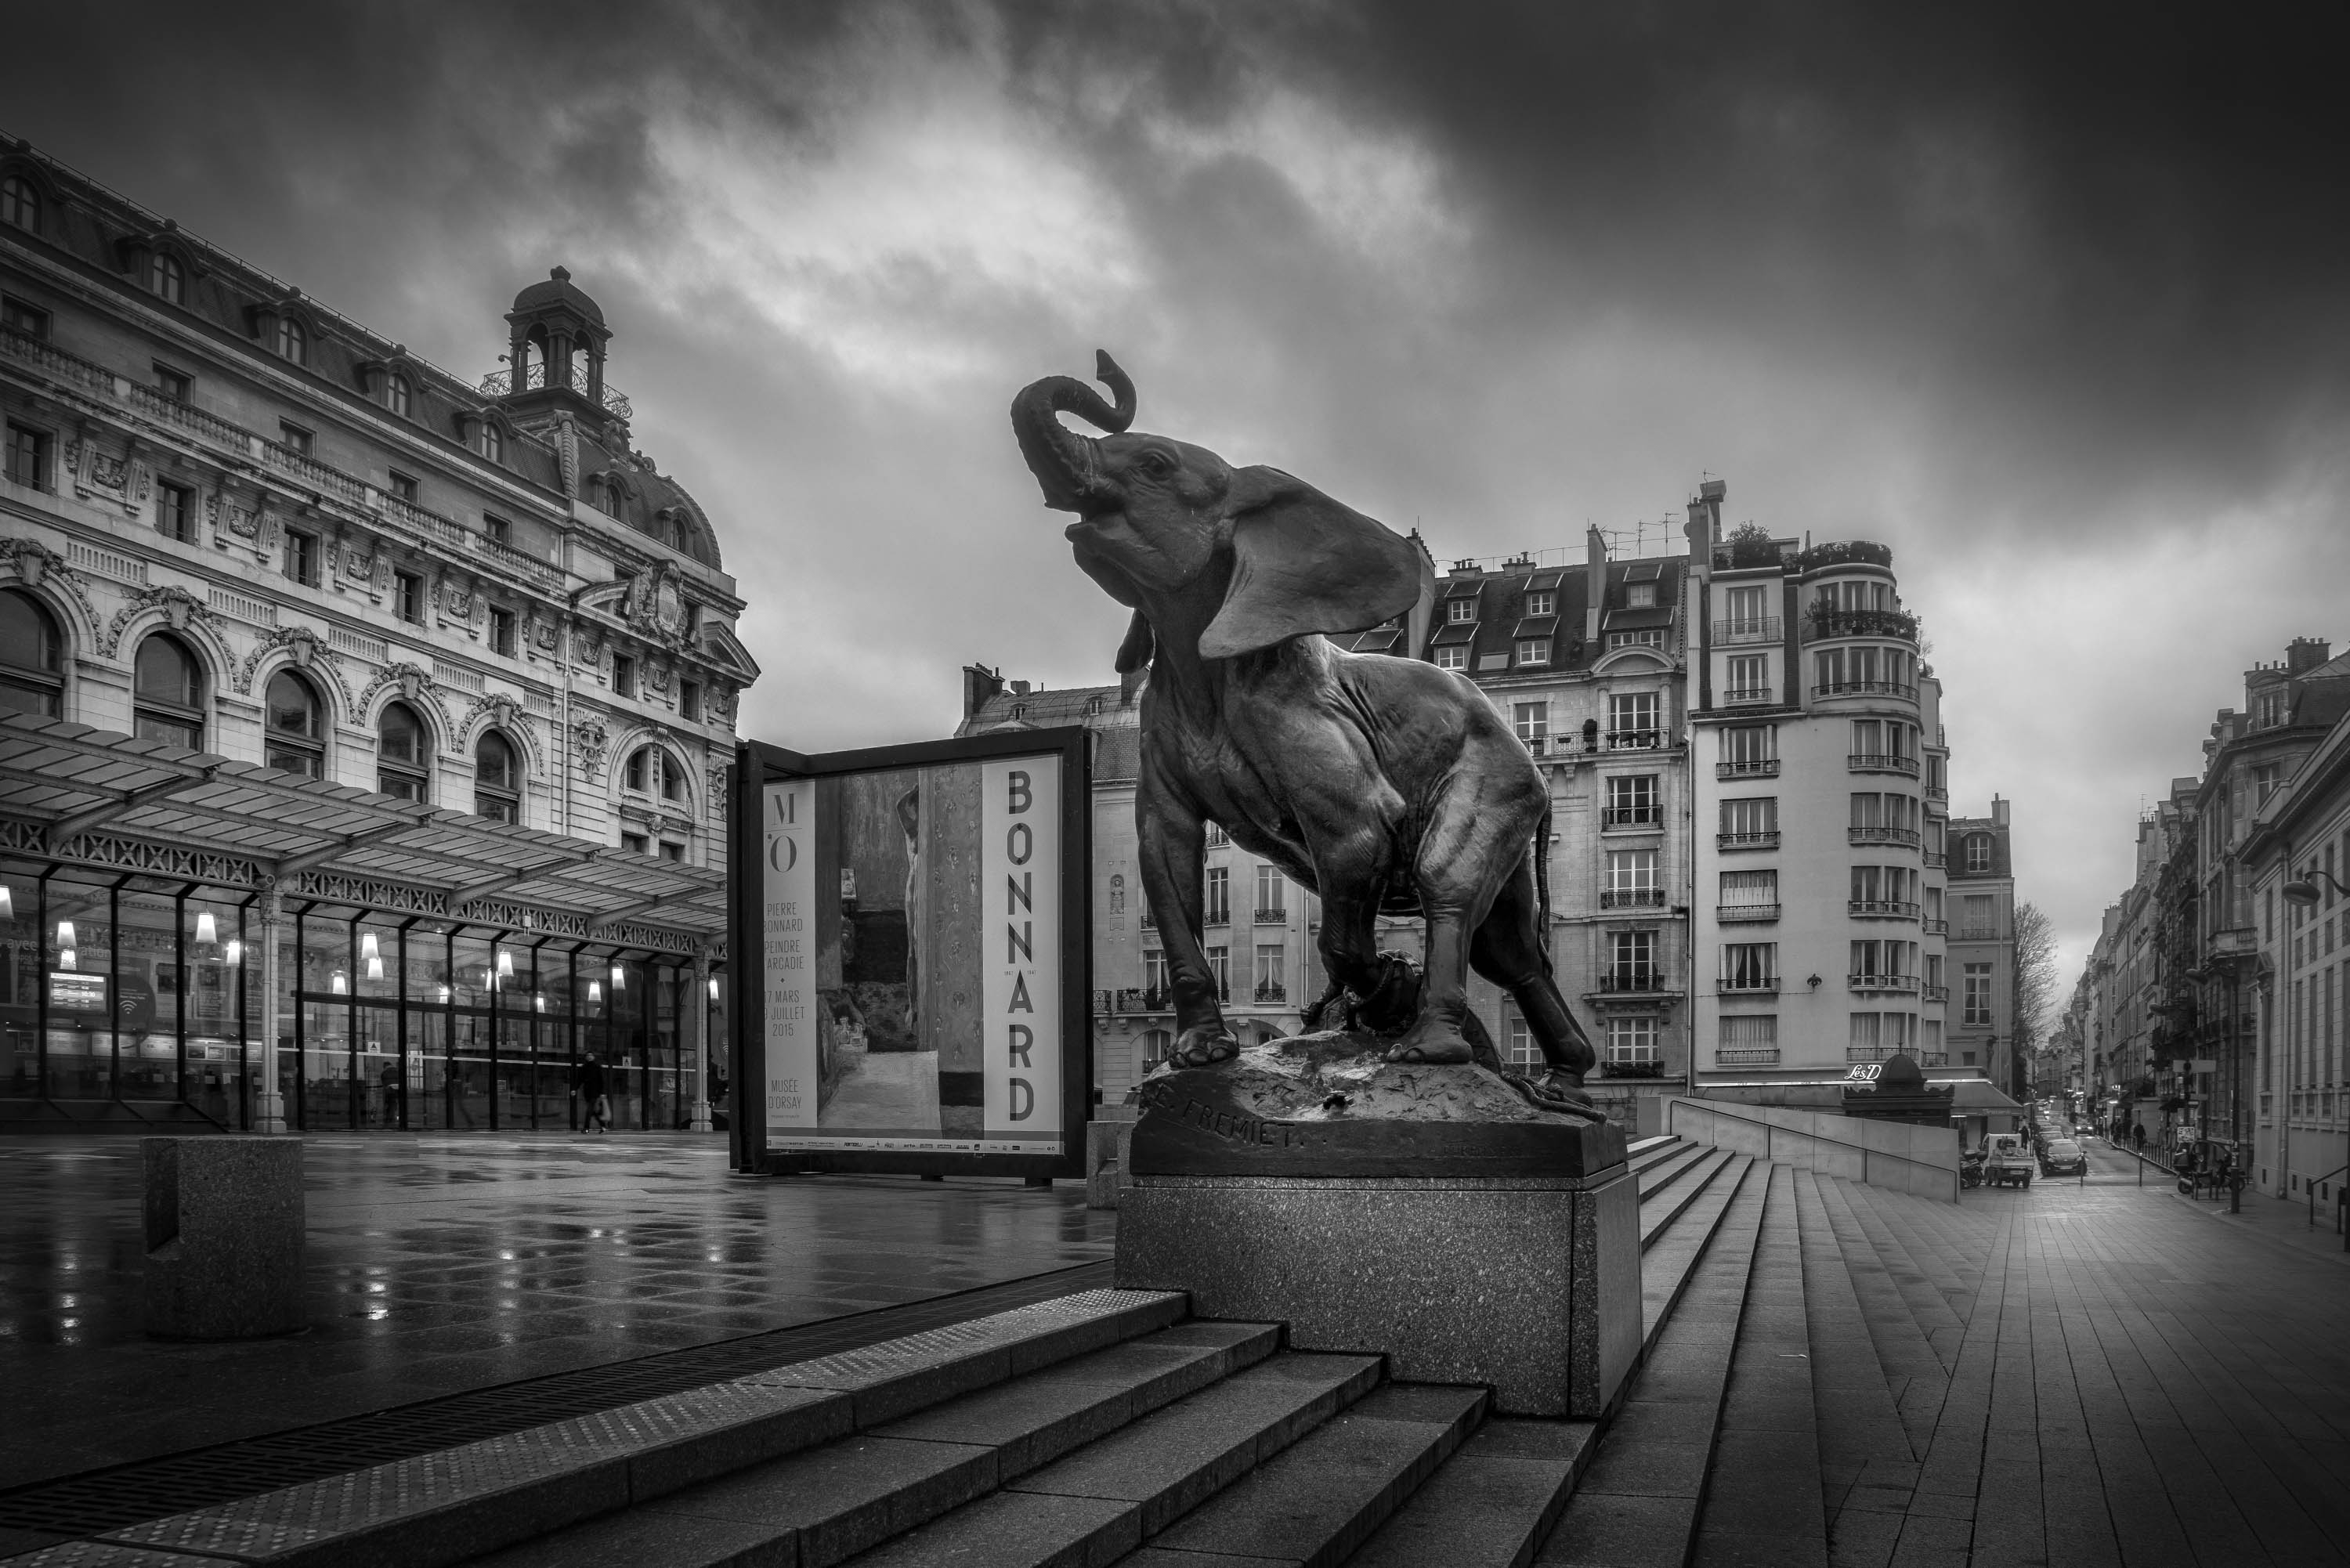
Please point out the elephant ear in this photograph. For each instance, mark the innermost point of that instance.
(1303, 563)
(1140, 645)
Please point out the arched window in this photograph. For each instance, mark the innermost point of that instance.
(498, 779)
(293, 342)
(652, 770)
(20, 203)
(493, 442)
(168, 694)
(296, 739)
(30, 658)
(402, 754)
(166, 277)
(397, 395)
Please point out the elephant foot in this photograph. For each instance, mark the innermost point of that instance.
(1203, 1046)
(1435, 1040)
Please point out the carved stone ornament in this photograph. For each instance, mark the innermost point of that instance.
(181, 610)
(546, 634)
(590, 737)
(37, 565)
(228, 517)
(307, 650)
(415, 683)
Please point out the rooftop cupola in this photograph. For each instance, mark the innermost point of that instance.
(555, 360)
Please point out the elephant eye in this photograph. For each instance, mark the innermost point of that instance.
(1154, 465)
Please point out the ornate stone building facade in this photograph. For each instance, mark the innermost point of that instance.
(238, 526)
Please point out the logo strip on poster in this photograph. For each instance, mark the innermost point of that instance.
(787, 910)
(1020, 900)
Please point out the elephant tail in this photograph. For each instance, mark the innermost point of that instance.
(1542, 885)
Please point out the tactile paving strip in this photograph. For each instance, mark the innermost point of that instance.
(98, 1502)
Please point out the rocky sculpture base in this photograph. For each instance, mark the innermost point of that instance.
(1431, 1214)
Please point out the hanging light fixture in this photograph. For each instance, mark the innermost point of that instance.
(619, 978)
(375, 968)
(595, 991)
(714, 988)
(233, 954)
(444, 993)
(65, 934)
(505, 965)
(368, 947)
(539, 1001)
(207, 928)
(340, 985)
(7, 903)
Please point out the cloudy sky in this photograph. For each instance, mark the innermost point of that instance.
(2054, 303)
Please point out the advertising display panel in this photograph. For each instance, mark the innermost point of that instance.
(916, 919)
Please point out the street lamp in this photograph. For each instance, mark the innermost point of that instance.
(2304, 892)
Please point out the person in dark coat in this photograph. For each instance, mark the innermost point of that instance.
(588, 1079)
(2138, 1136)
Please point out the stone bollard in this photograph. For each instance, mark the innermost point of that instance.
(224, 1237)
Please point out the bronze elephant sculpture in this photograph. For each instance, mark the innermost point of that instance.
(1380, 783)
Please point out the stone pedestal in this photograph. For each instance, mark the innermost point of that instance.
(1526, 1283)
(1441, 1216)
(224, 1237)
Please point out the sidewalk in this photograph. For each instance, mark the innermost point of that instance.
(440, 1263)
(2280, 1221)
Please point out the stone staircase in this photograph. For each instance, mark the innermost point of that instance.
(1799, 1334)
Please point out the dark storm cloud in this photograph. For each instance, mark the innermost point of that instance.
(2052, 300)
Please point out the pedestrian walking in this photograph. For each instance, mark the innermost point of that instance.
(2137, 1137)
(587, 1078)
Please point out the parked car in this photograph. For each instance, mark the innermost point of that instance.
(2062, 1157)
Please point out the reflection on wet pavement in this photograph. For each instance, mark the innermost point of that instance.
(439, 1263)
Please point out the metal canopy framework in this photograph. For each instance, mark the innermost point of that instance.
(100, 797)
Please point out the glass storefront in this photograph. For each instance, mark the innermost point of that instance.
(120, 986)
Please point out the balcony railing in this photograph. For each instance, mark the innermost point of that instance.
(1747, 985)
(1934, 993)
(1978, 934)
(1270, 993)
(1635, 739)
(1936, 927)
(1133, 999)
(1219, 917)
(500, 383)
(1866, 688)
(1632, 816)
(1880, 762)
(1866, 834)
(1937, 791)
(1768, 839)
(1623, 981)
(1935, 860)
(1899, 625)
(1868, 1053)
(1632, 897)
(1881, 909)
(1746, 911)
(1764, 629)
(1739, 696)
(1746, 1056)
(1272, 917)
(1933, 1058)
(1756, 768)
(1881, 981)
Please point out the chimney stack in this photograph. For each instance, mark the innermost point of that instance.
(1998, 810)
(979, 684)
(2305, 653)
(1594, 589)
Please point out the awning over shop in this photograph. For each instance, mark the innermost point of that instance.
(96, 797)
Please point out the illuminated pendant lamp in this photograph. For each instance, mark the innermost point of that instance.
(619, 978)
(368, 946)
(595, 991)
(233, 954)
(66, 934)
(7, 903)
(505, 965)
(207, 928)
(375, 968)
(65, 957)
(338, 984)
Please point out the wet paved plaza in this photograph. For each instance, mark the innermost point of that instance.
(443, 1263)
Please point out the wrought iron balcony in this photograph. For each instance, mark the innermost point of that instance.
(1270, 993)
(1763, 629)
(1618, 981)
(1746, 1056)
(1881, 909)
(1272, 917)
(1635, 739)
(1880, 762)
(1935, 860)
(1728, 912)
(1758, 768)
(1747, 985)
(1905, 982)
(1934, 993)
(1866, 688)
(1868, 1053)
(1935, 927)
(1937, 791)
(1768, 839)
(1898, 625)
(1933, 1058)
(501, 383)
(1632, 816)
(1742, 696)
(1632, 899)
(1869, 834)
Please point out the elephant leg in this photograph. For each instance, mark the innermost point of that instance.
(1471, 845)
(1350, 870)
(1508, 951)
(1172, 842)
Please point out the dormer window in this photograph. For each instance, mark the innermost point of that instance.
(166, 277)
(1639, 596)
(20, 203)
(1543, 603)
(1461, 612)
(493, 442)
(398, 395)
(2268, 709)
(293, 341)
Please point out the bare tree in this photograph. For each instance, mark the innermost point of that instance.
(2036, 975)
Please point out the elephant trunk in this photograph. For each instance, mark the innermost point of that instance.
(1062, 460)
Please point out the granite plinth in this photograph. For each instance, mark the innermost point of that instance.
(224, 1237)
(1528, 1284)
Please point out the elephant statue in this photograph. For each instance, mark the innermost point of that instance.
(1381, 782)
